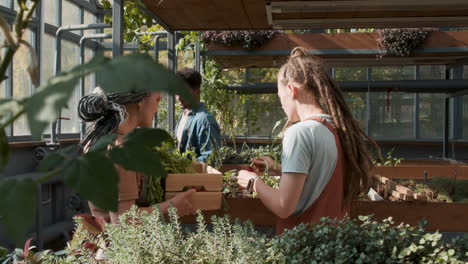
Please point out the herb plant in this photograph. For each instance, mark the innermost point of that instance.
(149, 238)
(245, 39)
(401, 42)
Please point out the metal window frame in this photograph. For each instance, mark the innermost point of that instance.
(39, 28)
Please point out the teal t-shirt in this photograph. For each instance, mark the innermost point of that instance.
(309, 147)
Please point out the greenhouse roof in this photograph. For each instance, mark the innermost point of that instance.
(308, 14)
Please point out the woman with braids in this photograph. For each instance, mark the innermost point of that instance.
(121, 113)
(325, 162)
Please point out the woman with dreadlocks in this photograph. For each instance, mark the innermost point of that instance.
(325, 162)
(121, 113)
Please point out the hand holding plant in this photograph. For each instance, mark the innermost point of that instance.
(182, 203)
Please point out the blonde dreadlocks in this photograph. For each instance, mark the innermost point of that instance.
(308, 70)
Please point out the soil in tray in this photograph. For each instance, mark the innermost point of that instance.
(439, 189)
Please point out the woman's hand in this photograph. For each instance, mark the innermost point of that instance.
(182, 203)
(244, 176)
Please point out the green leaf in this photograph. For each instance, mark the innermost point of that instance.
(140, 72)
(3, 252)
(9, 107)
(4, 149)
(43, 106)
(51, 161)
(103, 143)
(94, 176)
(137, 154)
(148, 137)
(138, 159)
(17, 206)
(57, 159)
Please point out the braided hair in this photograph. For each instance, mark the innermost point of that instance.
(308, 70)
(107, 111)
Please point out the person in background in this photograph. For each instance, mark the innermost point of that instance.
(325, 162)
(196, 129)
(121, 113)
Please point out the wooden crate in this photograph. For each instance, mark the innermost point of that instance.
(210, 179)
(202, 200)
(251, 209)
(416, 171)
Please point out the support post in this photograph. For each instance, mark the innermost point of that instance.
(117, 28)
(172, 64)
(368, 102)
(445, 147)
(197, 55)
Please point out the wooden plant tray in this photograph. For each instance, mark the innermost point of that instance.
(416, 171)
(444, 217)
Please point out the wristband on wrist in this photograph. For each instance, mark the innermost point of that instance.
(251, 184)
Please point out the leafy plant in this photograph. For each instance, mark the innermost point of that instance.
(365, 241)
(388, 161)
(156, 240)
(92, 174)
(401, 41)
(245, 39)
(150, 238)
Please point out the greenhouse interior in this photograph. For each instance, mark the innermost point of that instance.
(259, 131)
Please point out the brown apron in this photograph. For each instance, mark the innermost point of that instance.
(330, 202)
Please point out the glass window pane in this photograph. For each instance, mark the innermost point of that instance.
(70, 14)
(6, 3)
(48, 58)
(261, 119)
(3, 84)
(21, 81)
(432, 72)
(263, 75)
(431, 115)
(50, 7)
(70, 53)
(89, 80)
(465, 117)
(350, 73)
(357, 104)
(389, 73)
(392, 115)
(89, 18)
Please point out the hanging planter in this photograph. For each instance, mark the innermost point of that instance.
(243, 38)
(401, 42)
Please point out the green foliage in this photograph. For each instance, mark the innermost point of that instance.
(17, 206)
(401, 41)
(156, 240)
(245, 155)
(94, 174)
(365, 241)
(172, 160)
(134, 19)
(44, 105)
(243, 38)
(389, 160)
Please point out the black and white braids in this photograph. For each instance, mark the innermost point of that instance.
(107, 111)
